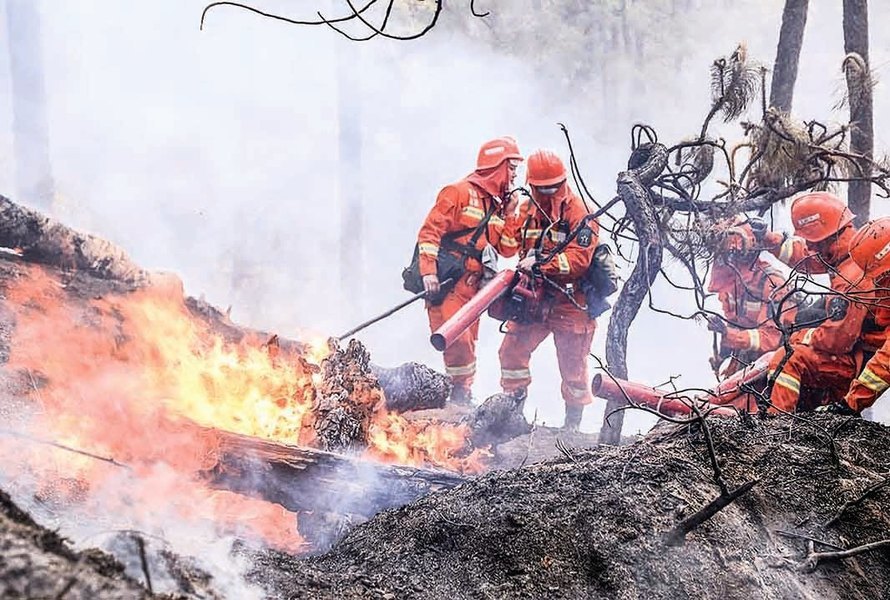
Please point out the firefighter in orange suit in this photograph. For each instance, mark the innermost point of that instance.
(555, 212)
(747, 287)
(468, 215)
(826, 356)
(870, 249)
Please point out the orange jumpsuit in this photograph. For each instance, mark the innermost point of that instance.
(571, 327)
(874, 379)
(823, 361)
(745, 295)
(459, 206)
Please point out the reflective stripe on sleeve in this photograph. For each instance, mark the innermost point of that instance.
(428, 249)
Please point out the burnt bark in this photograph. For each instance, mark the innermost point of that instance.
(412, 386)
(859, 92)
(794, 21)
(498, 420)
(346, 399)
(647, 162)
(44, 240)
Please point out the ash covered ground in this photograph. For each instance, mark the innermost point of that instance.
(592, 524)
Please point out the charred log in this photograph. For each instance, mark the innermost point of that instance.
(306, 479)
(498, 420)
(45, 240)
(346, 400)
(412, 386)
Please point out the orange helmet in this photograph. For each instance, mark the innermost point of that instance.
(818, 215)
(494, 152)
(870, 247)
(545, 168)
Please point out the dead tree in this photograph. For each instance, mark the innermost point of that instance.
(34, 181)
(794, 21)
(859, 86)
(646, 163)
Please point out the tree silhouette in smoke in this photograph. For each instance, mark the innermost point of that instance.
(356, 15)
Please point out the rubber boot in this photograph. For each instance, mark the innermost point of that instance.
(573, 418)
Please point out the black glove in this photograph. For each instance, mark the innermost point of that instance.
(758, 228)
(837, 308)
(838, 408)
(716, 323)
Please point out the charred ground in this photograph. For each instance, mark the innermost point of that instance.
(592, 524)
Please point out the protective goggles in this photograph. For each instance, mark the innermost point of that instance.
(547, 190)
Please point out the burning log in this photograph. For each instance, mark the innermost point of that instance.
(306, 479)
(346, 399)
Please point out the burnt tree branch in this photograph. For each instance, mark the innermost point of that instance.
(677, 535)
(812, 560)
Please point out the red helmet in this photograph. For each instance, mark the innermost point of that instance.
(870, 248)
(545, 168)
(494, 152)
(818, 215)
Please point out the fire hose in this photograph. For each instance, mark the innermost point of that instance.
(467, 314)
(724, 400)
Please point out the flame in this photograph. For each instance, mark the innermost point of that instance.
(128, 376)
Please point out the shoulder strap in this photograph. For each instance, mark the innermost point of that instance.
(477, 231)
(480, 229)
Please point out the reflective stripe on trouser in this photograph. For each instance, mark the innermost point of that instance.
(825, 378)
(572, 337)
(460, 357)
(872, 382)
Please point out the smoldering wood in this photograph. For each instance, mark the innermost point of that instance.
(346, 399)
(412, 386)
(677, 535)
(307, 479)
(497, 420)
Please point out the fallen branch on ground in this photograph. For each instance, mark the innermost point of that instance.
(677, 535)
(856, 501)
(813, 559)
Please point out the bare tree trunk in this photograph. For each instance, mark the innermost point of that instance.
(859, 86)
(34, 182)
(646, 163)
(794, 21)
